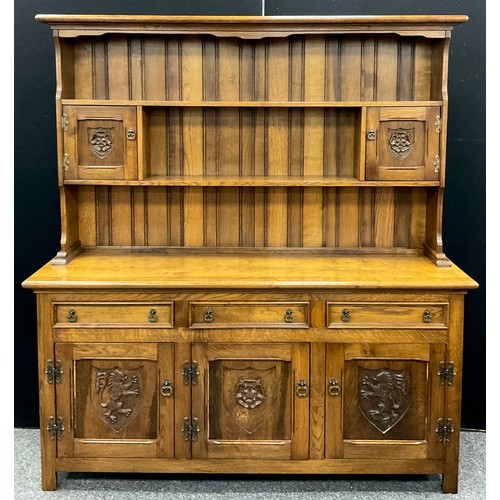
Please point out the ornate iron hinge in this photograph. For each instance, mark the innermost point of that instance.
(437, 124)
(64, 122)
(54, 371)
(55, 428)
(444, 429)
(190, 373)
(66, 161)
(437, 164)
(447, 373)
(190, 429)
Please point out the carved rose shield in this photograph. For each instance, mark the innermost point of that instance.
(100, 141)
(383, 396)
(246, 396)
(401, 142)
(116, 395)
(249, 393)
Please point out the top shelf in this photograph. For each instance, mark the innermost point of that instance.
(435, 26)
(246, 104)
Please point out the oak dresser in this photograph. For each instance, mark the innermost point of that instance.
(251, 276)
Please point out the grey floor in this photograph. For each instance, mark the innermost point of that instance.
(73, 486)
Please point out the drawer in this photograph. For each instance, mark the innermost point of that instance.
(249, 315)
(386, 315)
(113, 314)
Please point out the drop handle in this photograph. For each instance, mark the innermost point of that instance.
(72, 317)
(334, 388)
(302, 390)
(346, 316)
(153, 316)
(166, 388)
(208, 317)
(427, 316)
(289, 317)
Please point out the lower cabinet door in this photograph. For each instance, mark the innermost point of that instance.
(116, 400)
(384, 401)
(252, 401)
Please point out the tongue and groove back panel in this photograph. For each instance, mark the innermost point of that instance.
(293, 142)
(256, 217)
(190, 68)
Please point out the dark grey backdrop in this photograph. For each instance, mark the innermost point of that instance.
(36, 220)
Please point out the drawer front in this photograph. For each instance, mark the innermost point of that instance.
(386, 315)
(249, 315)
(121, 314)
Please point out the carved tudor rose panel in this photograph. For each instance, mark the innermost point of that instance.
(100, 141)
(247, 405)
(250, 400)
(249, 393)
(117, 395)
(401, 142)
(383, 396)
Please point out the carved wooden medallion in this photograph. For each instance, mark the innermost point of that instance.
(100, 141)
(117, 396)
(401, 142)
(249, 393)
(383, 396)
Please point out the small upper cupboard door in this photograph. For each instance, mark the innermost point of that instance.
(257, 398)
(384, 401)
(116, 400)
(402, 144)
(100, 143)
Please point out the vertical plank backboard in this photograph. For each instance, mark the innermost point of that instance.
(228, 142)
(154, 59)
(118, 67)
(192, 138)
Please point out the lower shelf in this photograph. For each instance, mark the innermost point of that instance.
(338, 466)
(249, 181)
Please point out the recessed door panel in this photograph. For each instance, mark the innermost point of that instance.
(384, 400)
(100, 143)
(257, 400)
(402, 144)
(112, 400)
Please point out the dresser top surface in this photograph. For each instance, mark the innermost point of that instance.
(117, 269)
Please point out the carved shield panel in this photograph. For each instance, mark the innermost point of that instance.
(117, 395)
(401, 141)
(383, 396)
(247, 401)
(100, 141)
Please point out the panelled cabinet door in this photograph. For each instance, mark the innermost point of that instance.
(100, 142)
(116, 400)
(384, 401)
(257, 399)
(402, 144)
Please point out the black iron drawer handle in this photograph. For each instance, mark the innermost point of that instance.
(346, 317)
(289, 317)
(72, 317)
(208, 317)
(427, 316)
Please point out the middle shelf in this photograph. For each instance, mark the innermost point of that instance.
(252, 146)
(249, 181)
